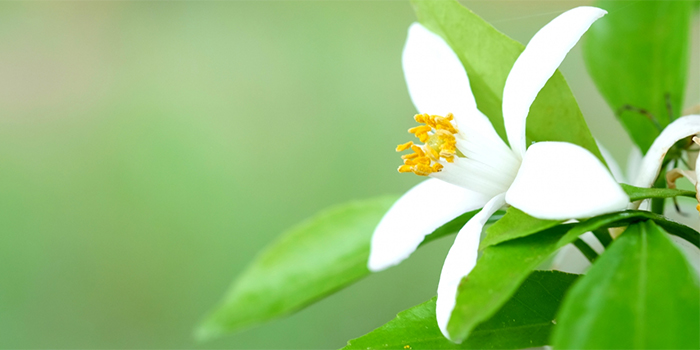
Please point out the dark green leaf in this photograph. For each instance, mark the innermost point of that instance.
(311, 260)
(488, 55)
(640, 294)
(603, 236)
(517, 224)
(637, 56)
(513, 225)
(585, 249)
(627, 217)
(639, 193)
(524, 321)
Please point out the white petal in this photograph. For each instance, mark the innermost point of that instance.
(570, 259)
(652, 161)
(612, 164)
(691, 252)
(536, 64)
(438, 83)
(634, 163)
(482, 177)
(420, 211)
(560, 180)
(460, 260)
(697, 178)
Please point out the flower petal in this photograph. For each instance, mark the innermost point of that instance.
(697, 179)
(560, 180)
(652, 161)
(420, 211)
(536, 64)
(570, 259)
(438, 83)
(691, 252)
(612, 164)
(483, 177)
(460, 260)
(634, 163)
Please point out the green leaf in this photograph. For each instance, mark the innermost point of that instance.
(639, 193)
(525, 321)
(310, 261)
(488, 55)
(513, 225)
(498, 273)
(653, 38)
(640, 294)
(502, 267)
(313, 259)
(512, 229)
(624, 218)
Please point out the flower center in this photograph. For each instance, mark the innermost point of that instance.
(437, 134)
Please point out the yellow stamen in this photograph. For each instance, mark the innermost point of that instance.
(439, 143)
(405, 146)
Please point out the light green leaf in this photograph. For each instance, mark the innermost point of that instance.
(513, 225)
(637, 56)
(488, 55)
(310, 261)
(313, 259)
(525, 321)
(640, 294)
(639, 193)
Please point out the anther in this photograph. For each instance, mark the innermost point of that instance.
(437, 134)
(405, 146)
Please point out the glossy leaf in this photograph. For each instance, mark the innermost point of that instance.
(313, 259)
(513, 225)
(502, 267)
(488, 55)
(653, 39)
(512, 228)
(526, 320)
(624, 218)
(640, 294)
(639, 193)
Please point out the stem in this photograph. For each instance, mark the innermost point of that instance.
(586, 250)
(603, 236)
(657, 204)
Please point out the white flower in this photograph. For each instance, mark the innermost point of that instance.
(652, 162)
(473, 168)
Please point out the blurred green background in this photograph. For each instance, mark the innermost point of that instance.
(148, 150)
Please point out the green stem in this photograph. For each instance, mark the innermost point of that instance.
(586, 250)
(603, 236)
(657, 204)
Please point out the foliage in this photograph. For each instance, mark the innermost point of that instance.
(488, 55)
(526, 320)
(640, 292)
(653, 38)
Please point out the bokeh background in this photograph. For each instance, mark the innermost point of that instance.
(148, 150)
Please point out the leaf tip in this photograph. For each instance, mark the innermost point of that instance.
(208, 330)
